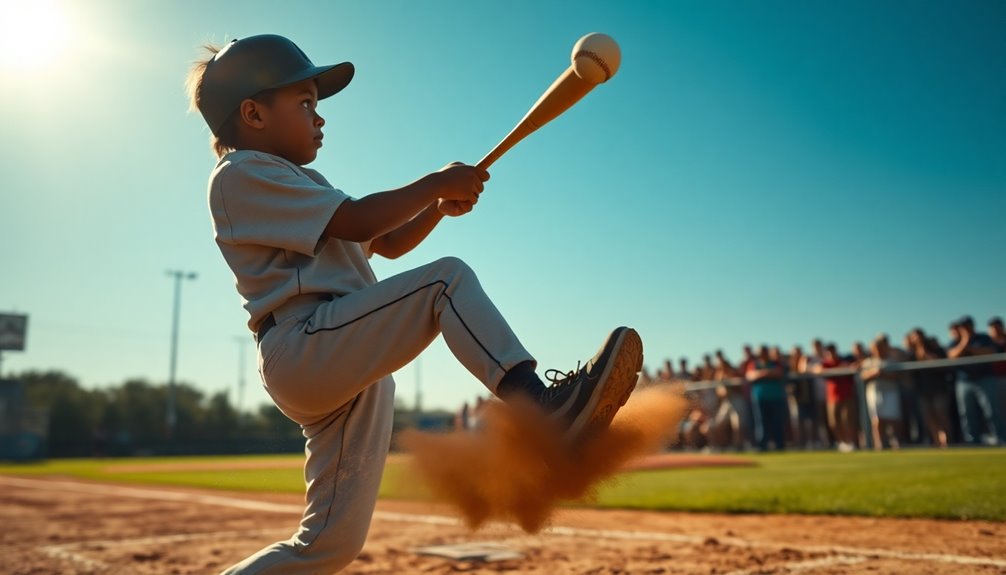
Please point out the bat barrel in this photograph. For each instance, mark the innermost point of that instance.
(567, 90)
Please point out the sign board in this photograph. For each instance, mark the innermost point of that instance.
(13, 328)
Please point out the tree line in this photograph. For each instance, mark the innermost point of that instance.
(129, 419)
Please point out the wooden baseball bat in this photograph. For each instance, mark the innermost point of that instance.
(567, 90)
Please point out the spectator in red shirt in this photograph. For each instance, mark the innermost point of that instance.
(840, 391)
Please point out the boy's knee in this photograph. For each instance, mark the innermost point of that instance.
(341, 559)
(453, 266)
(341, 548)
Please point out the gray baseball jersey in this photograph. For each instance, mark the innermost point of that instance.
(269, 218)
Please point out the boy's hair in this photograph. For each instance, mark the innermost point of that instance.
(225, 140)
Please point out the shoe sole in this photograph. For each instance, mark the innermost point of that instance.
(618, 384)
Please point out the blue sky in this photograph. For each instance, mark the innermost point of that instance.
(756, 172)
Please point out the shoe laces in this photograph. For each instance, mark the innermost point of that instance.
(560, 378)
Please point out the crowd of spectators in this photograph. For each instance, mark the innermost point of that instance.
(819, 399)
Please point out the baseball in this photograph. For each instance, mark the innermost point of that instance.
(596, 57)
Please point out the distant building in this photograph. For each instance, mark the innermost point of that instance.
(22, 428)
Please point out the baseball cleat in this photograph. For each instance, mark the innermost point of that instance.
(585, 401)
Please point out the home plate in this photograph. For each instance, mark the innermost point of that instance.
(471, 552)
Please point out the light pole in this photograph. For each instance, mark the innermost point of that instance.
(170, 417)
(242, 342)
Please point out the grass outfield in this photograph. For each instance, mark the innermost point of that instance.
(949, 484)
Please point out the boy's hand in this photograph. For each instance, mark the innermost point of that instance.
(458, 188)
(454, 208)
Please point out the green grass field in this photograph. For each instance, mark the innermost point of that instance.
(951, 484)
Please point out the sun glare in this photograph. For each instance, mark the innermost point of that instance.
(34, 34)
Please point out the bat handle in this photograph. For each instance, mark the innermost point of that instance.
(487, 161)
(525, 127)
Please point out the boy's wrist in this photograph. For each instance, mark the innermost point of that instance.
(433, 184)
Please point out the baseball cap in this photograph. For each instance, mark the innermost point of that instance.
(250, 65)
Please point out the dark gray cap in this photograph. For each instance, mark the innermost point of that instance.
(250, 65)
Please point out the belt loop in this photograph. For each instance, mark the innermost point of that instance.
(298, 305)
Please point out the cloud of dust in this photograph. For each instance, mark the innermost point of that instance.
(514, 467)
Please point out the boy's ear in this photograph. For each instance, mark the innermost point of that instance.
(251, 113)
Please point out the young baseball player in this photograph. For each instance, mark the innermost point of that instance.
(329, 333)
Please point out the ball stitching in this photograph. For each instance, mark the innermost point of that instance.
(593, 56)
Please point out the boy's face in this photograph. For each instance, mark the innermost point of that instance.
(292, 125)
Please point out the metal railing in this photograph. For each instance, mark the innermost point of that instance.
(887, 367)
(855, 371)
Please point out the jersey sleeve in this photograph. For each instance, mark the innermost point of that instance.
(318, 177)
(263, 201)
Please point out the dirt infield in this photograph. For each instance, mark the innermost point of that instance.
(72, 527)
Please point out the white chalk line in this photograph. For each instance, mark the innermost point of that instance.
(145, 493)
(234, 502)
(57, 552)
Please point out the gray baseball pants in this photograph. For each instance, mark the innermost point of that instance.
(327, 366)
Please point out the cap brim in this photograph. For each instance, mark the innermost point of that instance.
(331, 79)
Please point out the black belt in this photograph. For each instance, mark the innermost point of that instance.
(270, 320)
(268, 323)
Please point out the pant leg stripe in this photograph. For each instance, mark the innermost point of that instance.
(313, 331)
